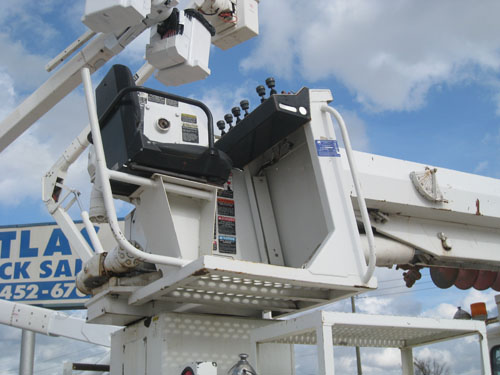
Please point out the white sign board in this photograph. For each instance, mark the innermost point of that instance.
(39, 267)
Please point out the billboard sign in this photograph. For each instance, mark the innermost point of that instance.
(39, 267)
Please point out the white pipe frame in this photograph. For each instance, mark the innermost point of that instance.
(58, 173)
(104, 176)
(372, 259)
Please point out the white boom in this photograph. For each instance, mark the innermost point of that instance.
(54, 323)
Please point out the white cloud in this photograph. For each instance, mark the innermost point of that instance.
(27, 159)
(21, 15)
(442, 356)
(443, 311)
(136, 50)
(221, 99)
(386, 358)
(374, 305)
(7, 94)
(24, 68)
(357, 131)
(481, 166)
(389, 54)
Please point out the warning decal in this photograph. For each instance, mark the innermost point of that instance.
(227, 225)
(225, 207)
(190, 133)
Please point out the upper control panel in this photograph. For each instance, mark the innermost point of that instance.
(277, 117)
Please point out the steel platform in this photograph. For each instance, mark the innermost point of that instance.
(219, 285)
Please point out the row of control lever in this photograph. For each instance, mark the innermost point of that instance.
(245, 106)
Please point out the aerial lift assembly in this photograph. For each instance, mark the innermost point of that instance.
(231, 234)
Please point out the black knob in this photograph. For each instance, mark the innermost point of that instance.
(236, 113)
(261, 90)
(229, 119)
(271, 83)
(221, 125)
(245, 105)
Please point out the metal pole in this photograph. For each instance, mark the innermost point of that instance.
(358, 352)
(27, 353)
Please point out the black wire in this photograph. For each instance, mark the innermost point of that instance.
(399, 286)
(390, 294)
(401, 278)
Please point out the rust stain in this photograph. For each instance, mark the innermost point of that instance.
(478, 211)
(201, 272)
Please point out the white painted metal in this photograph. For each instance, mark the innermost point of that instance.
(93, 56)
(181, 58)
(74, 236)
(163, 344)
(340, 222)
(96, 243)
(461, 191)
(84, 38)
(186, 215)
(58, 173)
(485, 354)
(469, 216)
(230, 34)
(389, 251)
(65, 80)
(361, 200)
(53, 323)
(168, 224)
(103, 175)
(365, 330)
(178, 115)
(106, 16)
(325, 350)
(268, 221)
(131, 179)
(27, 357)
(254, 211)
(260, 287)
(407, 361)
(473, 246)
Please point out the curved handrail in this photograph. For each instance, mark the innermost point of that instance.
(361, 200)
(103, 175)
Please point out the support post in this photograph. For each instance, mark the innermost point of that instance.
(485, 355)
(27, 358)
(407, 361)
(358, 351)
(325, 350)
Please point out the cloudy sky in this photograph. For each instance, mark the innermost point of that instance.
(415, 80)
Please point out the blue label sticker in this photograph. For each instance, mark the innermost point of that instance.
(327, 148)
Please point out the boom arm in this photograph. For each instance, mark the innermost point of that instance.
(461, 230)
(54, 323)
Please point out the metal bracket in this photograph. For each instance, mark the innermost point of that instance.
(427, 186)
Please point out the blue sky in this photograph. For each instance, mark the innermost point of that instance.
(418, 81)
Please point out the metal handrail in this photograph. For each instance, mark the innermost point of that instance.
(361, 200)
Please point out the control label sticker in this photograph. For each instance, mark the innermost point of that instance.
(327, 148)
(227, 245)
(190, 133)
